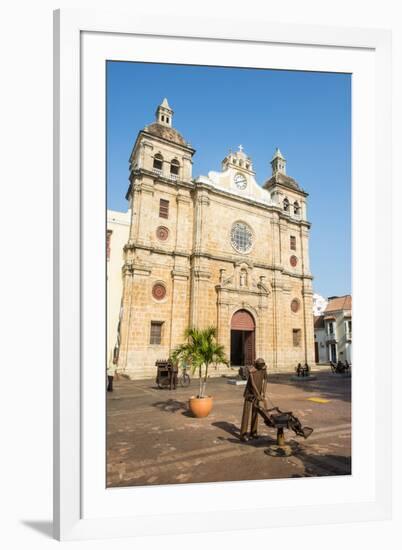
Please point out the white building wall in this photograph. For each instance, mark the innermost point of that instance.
(322, 347)
(119, 224)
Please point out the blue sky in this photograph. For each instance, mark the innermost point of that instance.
(306, 114)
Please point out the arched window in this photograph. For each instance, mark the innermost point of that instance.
(296, 208)
(158, 161)
(174, 167)
(286, 205)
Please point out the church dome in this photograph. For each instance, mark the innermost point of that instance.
(282, 179)
(165, 132)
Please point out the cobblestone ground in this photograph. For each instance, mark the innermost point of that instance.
(153, 439)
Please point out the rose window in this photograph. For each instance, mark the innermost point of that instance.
(241, 237)
(295, 305)
(158, 291)
(162, 233)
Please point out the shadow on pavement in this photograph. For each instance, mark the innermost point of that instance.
(314, 464)
(170, 405)
(228, 427)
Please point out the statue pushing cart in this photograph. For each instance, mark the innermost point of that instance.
(255, 406)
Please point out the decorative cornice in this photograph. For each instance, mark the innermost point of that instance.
(184, 199)
(233, 290)
(131, 268)
(180, 274)
(200, 273)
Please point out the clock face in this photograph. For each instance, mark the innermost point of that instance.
(240, 181)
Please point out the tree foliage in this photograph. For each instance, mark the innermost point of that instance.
(200, 350)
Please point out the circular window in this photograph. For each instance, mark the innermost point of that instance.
(293, 261)
(158, 291)
(241, 237)
(295, 305)
(162, 233)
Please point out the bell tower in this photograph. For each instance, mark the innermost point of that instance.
(164, 114)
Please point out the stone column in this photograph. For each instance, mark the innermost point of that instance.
(277, 320)
(308, 322)
(199, 269)
(223, 324)
(263, 334)
(145, 218)
(183, 223)
(125, 315)
(200, 224)
(304, 250)
(135, 214)
(179, 306)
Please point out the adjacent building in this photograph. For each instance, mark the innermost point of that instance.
(217, 250)
(117, 231)
(333, 331)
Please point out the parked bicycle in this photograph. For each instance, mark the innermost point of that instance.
(184, 378)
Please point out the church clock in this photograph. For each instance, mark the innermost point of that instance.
(240, 181)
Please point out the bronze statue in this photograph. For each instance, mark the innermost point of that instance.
(253, 394)
(255, 404)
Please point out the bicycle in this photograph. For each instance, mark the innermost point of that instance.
(184, 378)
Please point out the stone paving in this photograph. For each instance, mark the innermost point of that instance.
(152, 439)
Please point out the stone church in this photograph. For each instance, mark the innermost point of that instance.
(217, 250)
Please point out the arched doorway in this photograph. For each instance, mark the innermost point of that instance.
(242, 339)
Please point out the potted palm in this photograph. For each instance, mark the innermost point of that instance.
(200, 350)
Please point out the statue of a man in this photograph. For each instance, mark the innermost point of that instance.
(254, 393)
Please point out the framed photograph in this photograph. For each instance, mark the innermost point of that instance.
(221, 193)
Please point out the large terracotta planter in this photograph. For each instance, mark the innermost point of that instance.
(200, 406)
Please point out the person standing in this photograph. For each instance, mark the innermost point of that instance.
(111, 370)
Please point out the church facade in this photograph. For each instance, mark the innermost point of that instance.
(217, 250)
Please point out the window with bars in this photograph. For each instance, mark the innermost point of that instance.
(156, 332)
(296, 337)
(292, 242)
(163, 208)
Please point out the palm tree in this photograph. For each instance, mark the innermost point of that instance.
(200, 350)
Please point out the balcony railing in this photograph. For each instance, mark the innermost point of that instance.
(292, 214)
(157, 171)
(331, 337)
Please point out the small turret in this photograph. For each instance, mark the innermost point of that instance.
(164, 114)
(278, 163)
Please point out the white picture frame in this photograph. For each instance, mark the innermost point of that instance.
(83, 507)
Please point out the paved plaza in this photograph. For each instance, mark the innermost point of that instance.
(154, 440)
